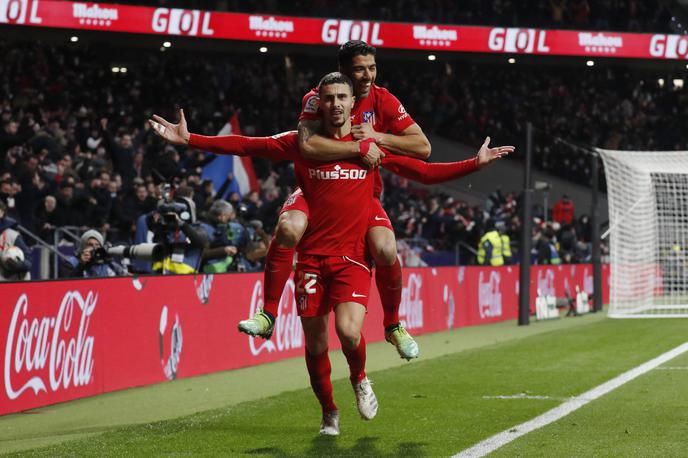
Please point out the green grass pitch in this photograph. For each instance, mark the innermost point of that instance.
(450, 399)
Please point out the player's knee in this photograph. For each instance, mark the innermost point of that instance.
(349, 336)
(316, 345)
(289, 230)
(385, 252)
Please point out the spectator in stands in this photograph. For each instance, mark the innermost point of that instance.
(490, 250)
(132, 205)
(7, 193)
(14, 254)
(545, 246)
(91, 260)
(568, 243)
(46, 219)
(12, 135)
(563, 211)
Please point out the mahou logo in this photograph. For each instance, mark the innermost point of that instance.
(288, 332)
(411, 307)
(94, 14)
(270, 27)
(489, 295)
(599, 42)
(434, 36)
(57, 348)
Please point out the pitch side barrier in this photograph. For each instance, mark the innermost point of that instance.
(65, 340)
(319, 31)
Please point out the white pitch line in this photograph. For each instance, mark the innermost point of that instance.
(517, 396)
(491, 444)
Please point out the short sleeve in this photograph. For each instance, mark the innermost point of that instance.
(395, 117)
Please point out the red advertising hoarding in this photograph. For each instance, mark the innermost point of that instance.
(319, 31)
(70, 339)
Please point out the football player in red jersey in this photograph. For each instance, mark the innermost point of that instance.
(332, 272)
(376, 115)
(381, 110)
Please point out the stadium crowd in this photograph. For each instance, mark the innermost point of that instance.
(618, 15)
(86, 157)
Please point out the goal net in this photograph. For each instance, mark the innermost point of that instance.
(648, 226)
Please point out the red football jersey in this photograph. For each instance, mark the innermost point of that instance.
(339, 198)
(380, 107)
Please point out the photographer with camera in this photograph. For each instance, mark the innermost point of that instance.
(180, 237)
(232, 246)
(235, 245)
(227, 240)
(14, 263)
(257, 244)
(92, 259)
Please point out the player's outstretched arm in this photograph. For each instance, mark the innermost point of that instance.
(432, 173)
(274, 148)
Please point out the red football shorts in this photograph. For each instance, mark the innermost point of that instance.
(378, 215)
(295, 201)
(322, 282)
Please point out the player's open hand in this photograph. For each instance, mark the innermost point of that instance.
(364, 131)
(487, 155)
(374, 157)
(176, 134)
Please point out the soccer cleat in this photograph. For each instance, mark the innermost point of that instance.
(365, 399)
(329, 426)
(261, 325)
(400, 338)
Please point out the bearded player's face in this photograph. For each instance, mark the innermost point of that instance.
(362, 71)
(336, 102)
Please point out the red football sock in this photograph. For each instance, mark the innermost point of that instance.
(389, 282)
(278, 267)
(319, 369)
(356, 359)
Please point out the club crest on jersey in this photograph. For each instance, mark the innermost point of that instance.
(369, 116)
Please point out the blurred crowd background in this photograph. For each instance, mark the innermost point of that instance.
(76, 151)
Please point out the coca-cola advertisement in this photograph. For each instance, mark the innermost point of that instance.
(70, 339)
(319, 31)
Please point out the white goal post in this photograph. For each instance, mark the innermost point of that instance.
(648, 226)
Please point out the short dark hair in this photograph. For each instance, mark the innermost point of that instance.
(336, 78)
(353, 48)
(184, 191)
